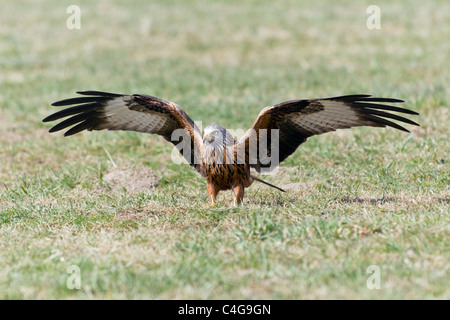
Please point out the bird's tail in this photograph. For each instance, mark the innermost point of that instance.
(270, 185)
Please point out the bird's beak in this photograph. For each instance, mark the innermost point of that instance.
(208, 138)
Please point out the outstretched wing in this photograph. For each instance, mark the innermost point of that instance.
(297, 120)
(102, 110)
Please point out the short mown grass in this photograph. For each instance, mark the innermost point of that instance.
(357, 198)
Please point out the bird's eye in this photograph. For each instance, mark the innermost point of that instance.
(215, 132)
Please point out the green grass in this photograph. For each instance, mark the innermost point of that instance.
(365, 196)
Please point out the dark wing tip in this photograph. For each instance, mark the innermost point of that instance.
(92, 96)
(349, 97)
(365, 97)
(47, 119)
(373, 108)
(72, 111)
(99, 93)
(59, 103)
(373, 99)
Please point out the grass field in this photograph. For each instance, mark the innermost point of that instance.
(356, 198)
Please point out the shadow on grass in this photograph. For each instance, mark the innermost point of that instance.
(269, 202)
(348, 200)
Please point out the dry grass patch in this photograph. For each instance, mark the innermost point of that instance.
(133, 180)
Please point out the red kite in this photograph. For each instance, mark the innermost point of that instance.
(215, 154)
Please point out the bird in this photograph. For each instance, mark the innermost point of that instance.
(228, 163)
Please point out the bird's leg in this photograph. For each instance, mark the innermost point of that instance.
(212, 192)
(239, 193)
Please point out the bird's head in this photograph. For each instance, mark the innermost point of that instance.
(215, 134)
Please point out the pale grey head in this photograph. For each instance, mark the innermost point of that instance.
(215, 135)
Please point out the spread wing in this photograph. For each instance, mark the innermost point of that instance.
(297, 120)
(102, 110)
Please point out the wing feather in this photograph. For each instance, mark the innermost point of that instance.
(99, 110)
(71, 111)
(297, 120)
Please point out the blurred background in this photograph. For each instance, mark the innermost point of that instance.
(363, 196)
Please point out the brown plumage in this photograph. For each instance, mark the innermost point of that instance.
(276, 133)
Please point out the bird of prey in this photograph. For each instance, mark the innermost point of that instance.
(216, 155)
